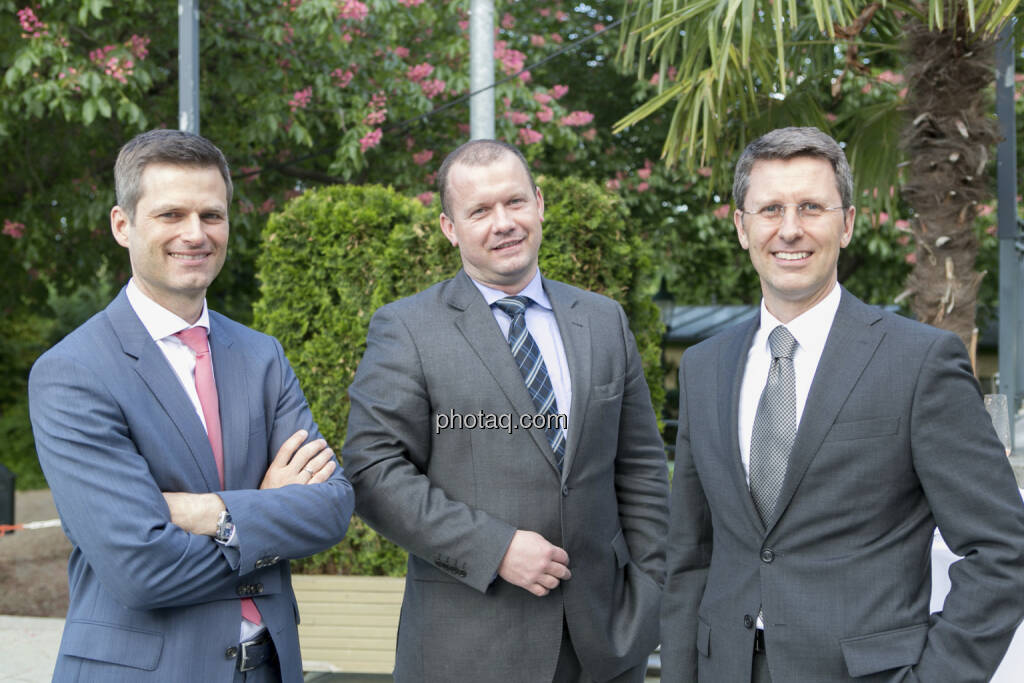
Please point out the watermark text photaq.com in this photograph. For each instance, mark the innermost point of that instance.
(504, 421)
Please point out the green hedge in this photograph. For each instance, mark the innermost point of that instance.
(334, 255)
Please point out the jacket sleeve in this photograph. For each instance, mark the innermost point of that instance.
(292, 521)
(688, 556)
(641, 473)
(387, 452)
(109, 504)
(970, 489)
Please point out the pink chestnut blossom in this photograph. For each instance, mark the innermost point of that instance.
(723, 211)
(577, 118)
(370, 140)
(419, 72)
(537, 41)
(517, 117)
(541, 97)
(557, 91)
(352, 9)
(528, 136)
(643, 187)
(432, 88)
(545, 114)
(301, 98)
(508, 22)
(342, 78)
(426, 198)
(13, 229)
(401, 52)
(410, 3)
(421, 158)
(376, 117)
(139, 45)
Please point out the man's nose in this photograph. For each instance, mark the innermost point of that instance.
(192, 228)
(503, 218)
(790, 229)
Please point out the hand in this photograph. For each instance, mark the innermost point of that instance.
(296, 463)
(534, 564)
(196, 513)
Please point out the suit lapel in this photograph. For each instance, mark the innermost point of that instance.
(475, 321)
(576, 339)
(850, 345)
(154, 370)
(732, 363)
(232, 393)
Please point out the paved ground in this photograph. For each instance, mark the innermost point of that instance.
(34, 564)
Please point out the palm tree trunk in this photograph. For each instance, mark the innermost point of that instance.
(948, 138)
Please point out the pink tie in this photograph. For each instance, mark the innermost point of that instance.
(195, 339)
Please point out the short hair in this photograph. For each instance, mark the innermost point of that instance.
(163, 146)
(787, 143)
(477, 153)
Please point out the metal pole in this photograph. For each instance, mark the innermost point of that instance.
(188, 65)
(481, 70)
(1009, 262)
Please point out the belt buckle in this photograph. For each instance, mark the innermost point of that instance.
(243, 657)
(244, 663)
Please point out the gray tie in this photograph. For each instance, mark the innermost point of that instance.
(774, 425)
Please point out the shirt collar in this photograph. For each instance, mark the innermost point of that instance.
(810, 328)
(534, 290)
(157, 320)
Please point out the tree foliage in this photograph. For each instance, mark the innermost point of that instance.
(734, 69)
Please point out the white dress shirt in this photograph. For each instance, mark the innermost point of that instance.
(541, 323)
(810, 329)
(162, 325)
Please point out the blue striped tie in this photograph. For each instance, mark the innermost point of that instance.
(535, 373)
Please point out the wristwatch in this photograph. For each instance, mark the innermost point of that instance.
(224, 528)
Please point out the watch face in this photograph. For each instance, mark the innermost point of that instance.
(224, 527)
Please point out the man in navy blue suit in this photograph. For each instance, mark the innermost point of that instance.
(180, 450)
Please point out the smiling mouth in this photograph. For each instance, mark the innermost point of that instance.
(506, 245)
(189, 257)
(792, 255)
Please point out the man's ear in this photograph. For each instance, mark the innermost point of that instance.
(448, 228)
(540, 205)
(741, 233)
(120, 225)
(847, 234)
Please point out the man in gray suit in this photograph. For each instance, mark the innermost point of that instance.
(819, 445)
(502, 432)
(183, 458)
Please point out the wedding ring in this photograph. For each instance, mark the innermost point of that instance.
(308, 471)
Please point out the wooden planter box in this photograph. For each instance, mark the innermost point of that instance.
(348, 623)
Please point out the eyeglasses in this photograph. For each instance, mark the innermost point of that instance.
(805, 211)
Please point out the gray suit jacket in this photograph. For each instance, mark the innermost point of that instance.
(893, 439)
(114, 429)
(453, 498)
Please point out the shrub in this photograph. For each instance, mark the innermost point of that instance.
(334, 255)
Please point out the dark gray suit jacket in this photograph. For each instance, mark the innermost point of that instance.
(893, 439)
(114, 429)
(453, 498)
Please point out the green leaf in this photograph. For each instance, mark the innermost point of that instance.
(89, 111)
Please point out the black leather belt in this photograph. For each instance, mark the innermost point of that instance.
(759, 641)
(256, 652)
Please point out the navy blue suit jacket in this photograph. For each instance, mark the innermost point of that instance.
(114, 429)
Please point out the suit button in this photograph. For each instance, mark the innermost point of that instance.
(767, 555)
(748, 621)
(231, 653)
(565, 491)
